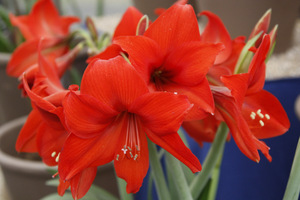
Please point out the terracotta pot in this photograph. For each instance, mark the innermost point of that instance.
(12, 105)
(240, 16)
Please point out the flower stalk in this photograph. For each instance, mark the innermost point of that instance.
(210, 162)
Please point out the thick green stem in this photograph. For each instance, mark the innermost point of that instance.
(293, 187)
(179, 180)
(157, 171)
(216, 149)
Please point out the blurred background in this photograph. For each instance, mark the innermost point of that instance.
(240, 178)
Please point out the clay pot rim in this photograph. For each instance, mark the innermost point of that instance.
(15, 163)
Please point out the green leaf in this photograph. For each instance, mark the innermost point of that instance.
(293, 187)
(122, 189)
(5, 44)
(4, 17)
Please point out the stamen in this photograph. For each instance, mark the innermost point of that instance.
(261, 123)
(129, 148)
(137, 147)
(131, 154)
(260, 115)
(135, 157)
(258, 111)
(53, 154)
(267, 116)
(252, 116)
(57, 157)
(117, 158)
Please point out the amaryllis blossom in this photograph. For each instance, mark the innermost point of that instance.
(250, 112)
(111, 119)
(43, 21)
(170, 57)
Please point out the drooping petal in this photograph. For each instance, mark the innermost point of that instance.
(26, 141)
(111, 51)
(161, 112)
(200, 96)
(85, 116)
(50, 142)
(132, 163)
(128, 23)
(269, 118)
(216, 32)
(189, 63)
(174, 145)
(240, 131)
(177, 25)
(81, 183)
(62, 187)
(114, 82)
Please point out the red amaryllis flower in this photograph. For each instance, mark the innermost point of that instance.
(43, 21)
(250, 112)
(111, 119)
(171, 57)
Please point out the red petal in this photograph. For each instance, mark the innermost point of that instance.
(202, 130)
(85, 116)
(144, 54)
(43, 21)
(276, 121)
(175, 26)
(26, 55)
(174, 145)
(161, 112)
(200, 96)
(50, 140)
(128, 23)
(190, 63)
(81, 183)
(132, 170)
(62, 187)
(257, 66)
(113, 82)
(216, 32)
(26, 141)
(78, 153)
(111, 51)
(245, 140)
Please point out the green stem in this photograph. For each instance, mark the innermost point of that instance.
(293, 187)
(157, 171)
(122, 189)
(179, 180)
(215, 178)
(201, 179)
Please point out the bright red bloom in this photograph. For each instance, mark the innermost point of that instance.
(43, 21)
(170, 57)
(250, 112)
(111, 119)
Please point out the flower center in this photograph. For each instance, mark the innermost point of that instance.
(131, 149)
(260, 116)
(160, 76)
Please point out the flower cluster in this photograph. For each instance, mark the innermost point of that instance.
(152, 78)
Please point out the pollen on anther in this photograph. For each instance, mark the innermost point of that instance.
(175, 93)
(53, 154)
(117, 158)
(252, 115)
(129, 148)
(261, 123)
(131, 155)
(137, 147)
(267, 116)
(57, 157)
(135, 157)
(260, 115)
(258, 111)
